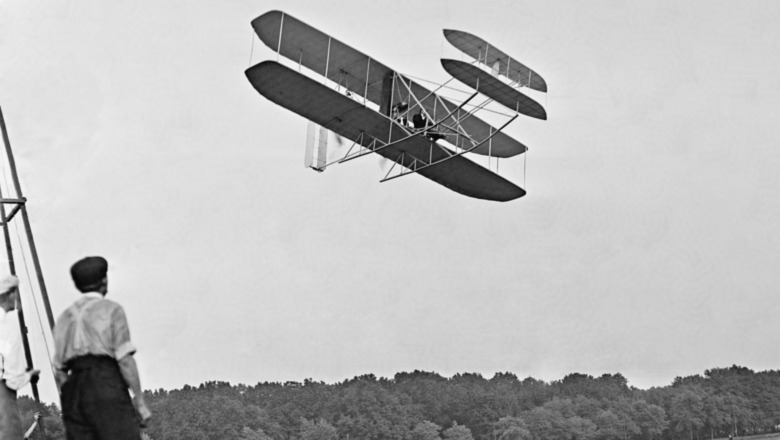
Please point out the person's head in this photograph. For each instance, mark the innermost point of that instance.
(90, 275)
(9, 292)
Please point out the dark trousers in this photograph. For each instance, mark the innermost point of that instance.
(10, 425)
(95, 402)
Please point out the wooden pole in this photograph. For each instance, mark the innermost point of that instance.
(19, 308)
(9, 250)
(26, 221)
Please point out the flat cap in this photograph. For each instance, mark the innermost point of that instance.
(7, 283)
(89, 271)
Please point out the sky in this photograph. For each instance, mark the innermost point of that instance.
(645, 246)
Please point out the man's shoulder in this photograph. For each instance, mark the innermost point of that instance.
(107, 302)
(91, 302)
(107, 305)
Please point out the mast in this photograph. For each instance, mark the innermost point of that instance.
(18, 204)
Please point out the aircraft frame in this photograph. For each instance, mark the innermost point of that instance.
(370, 105)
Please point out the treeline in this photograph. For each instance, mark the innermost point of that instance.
(426, 406)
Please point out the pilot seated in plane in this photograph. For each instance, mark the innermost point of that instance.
(399, 113)
(420, 121)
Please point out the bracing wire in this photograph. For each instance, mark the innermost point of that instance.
(440, 85)
(455, 89)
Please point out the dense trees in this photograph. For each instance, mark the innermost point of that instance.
(426, 406)
(426, 431)
(49, 427)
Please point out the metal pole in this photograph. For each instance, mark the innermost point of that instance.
(26, 221)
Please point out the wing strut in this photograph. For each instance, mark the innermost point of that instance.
(368, 69)
(279, 44)
(327, 59)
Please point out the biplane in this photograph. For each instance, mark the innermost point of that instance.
(384, 112)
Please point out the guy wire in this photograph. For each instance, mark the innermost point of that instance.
(32, 295)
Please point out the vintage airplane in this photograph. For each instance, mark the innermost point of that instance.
(372, 105)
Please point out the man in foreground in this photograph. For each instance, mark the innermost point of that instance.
(94, 362)
(13, 367)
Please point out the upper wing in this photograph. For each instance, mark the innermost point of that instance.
(483, 52)
(366, 77)
(322, 53)
(348, 118)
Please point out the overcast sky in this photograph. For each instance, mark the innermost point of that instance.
(647, 244)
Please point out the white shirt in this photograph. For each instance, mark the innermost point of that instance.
(13, 365)
(93, 325)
